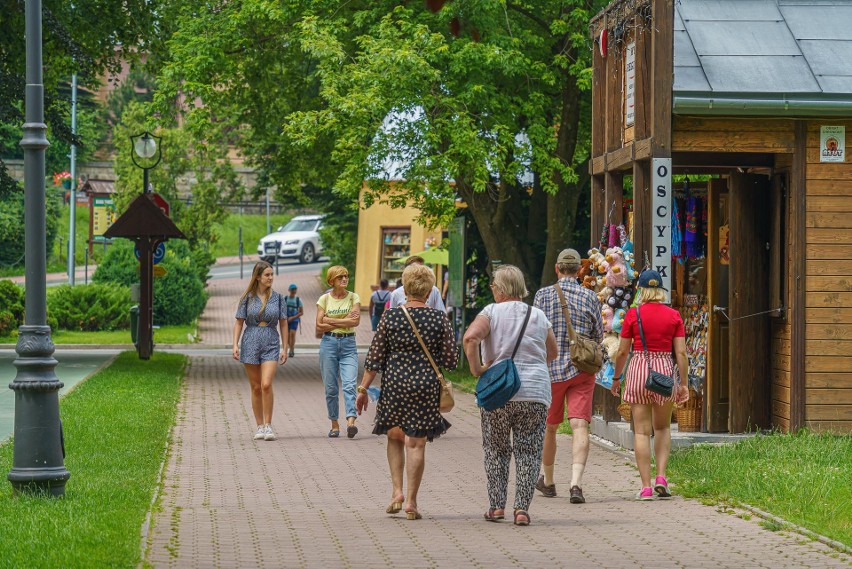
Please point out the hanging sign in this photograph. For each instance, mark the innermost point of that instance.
(661, 219)
(629, 83)
(832, 144)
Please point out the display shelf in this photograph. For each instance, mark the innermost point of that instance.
(395, 245)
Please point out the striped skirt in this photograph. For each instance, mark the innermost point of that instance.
(637, 374)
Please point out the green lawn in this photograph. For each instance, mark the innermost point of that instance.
(254, 227)
(116, 426)
(162, 335)
(803, 478)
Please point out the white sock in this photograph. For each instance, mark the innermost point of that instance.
(548, 473)
(577, 473)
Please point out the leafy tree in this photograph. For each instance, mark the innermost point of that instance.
(89, 37)
(496, 116)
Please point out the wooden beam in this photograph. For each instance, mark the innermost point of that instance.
(642, 97)
(798, 267)
(662, 73)
(614, 112)
(598, 208)
(598, 105)
(598, 165)
(641, 211)
(621, 158)
(726, 160)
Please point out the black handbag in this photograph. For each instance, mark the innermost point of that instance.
(657, 382)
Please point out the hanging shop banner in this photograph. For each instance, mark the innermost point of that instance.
(661, 219)
(629, 83)
(832, 144)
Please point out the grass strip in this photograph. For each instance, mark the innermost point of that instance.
(803, 478)
(178, 334)
(116, 427)
(253, 226)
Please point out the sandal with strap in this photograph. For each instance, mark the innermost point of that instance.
(492, 516)
(522, 514)
(394, 507)
(333, 434)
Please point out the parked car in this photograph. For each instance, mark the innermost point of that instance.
(299, 239)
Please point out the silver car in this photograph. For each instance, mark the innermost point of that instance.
(299, 239)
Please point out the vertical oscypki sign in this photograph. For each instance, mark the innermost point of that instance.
(661, 238)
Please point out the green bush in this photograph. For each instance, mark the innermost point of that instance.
(89, 308)
(179, 296)
(11, 307)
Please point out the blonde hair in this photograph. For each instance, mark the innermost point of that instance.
(509, 280)
(418, 280)
(652, 295)
(334, 272)
(251, 290)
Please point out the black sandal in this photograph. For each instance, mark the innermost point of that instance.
(492, 516)
(333, 434)
(519, 513)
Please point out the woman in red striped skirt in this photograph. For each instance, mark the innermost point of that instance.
(663, 329)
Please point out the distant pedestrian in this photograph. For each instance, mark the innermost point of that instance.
(506, 326)
(408, 407)
(398, 296)
(378, 301)
(568, 383)
(338, 314)
(663, 329)
(295, 311)
(262, 348)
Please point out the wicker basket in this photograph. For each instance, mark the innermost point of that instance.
(689, 414)
(624, 411)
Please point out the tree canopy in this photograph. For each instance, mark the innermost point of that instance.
(319, 93)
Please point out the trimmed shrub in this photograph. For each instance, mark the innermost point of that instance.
(88, 308)
(12, 227)
(179, 296)
(11, 307)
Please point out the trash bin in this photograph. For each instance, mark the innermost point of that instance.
(134, 324)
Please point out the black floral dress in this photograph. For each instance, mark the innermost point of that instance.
(411, 391)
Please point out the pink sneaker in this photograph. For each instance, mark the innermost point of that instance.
(645, 494)
(662, 487)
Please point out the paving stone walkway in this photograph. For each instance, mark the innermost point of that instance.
(309, 501)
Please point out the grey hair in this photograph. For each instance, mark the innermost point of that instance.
(509, 280)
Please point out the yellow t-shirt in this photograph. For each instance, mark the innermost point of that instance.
(339, 307)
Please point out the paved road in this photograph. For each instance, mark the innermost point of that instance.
(74, 366)
(309, 501)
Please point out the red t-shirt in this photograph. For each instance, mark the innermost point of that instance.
(660, 323)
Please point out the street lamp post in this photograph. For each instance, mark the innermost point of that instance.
(39, 459)
(146, 154)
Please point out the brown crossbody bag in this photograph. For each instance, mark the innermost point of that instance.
(586, 354)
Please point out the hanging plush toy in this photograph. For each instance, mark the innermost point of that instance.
(613, 236)
(616, 271)
(694, 241)
(629, 263)
(607, 313)
(618, 320)
(597, 258)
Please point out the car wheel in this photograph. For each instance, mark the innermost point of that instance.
(307, 255)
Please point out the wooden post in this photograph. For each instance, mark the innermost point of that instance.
(662, 72)
(641, 211)
(798, 267)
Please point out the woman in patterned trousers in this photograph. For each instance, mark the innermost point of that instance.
(518, 427)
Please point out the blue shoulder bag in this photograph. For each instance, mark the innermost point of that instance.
(500, 382)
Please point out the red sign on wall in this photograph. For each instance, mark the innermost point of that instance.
(161, 203)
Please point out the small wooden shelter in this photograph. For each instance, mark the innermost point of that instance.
(752, 99)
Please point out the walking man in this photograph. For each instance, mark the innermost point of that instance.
(398, 295)
(567, 383)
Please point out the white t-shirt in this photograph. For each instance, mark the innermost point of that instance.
(434, 300)
(506, 319)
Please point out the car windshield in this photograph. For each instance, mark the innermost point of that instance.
(300, 225)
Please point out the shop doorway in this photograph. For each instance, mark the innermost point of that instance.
(740, 217)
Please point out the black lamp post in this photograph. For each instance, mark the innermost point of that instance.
(39, 457)
(146, 155)
(146, 148)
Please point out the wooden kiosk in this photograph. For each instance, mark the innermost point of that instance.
(752, 100)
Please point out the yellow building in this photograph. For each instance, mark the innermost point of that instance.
(385, 235)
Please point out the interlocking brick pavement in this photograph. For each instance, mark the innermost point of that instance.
(309, 501)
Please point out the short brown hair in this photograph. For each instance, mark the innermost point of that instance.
(414, 259)
(334, 272)
(418, 280)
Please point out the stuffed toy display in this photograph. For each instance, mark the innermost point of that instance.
(630, 263)
(586, 275)
(616, 270)
(607, 314)
(597, 259)
(618, 320)
(620, 297)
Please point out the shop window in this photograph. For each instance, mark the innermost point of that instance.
(396, 245)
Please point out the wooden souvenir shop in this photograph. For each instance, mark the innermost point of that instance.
(719, 138)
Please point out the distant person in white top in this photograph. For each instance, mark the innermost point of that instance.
(434, 301)
(518, 427)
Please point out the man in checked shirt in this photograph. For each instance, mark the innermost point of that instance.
(566, 381)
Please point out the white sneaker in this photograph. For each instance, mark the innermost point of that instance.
(269, 434)
(261, 432)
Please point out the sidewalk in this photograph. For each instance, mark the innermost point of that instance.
(309, 501)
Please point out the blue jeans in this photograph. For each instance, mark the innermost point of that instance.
(374, 320)
(339, 366)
